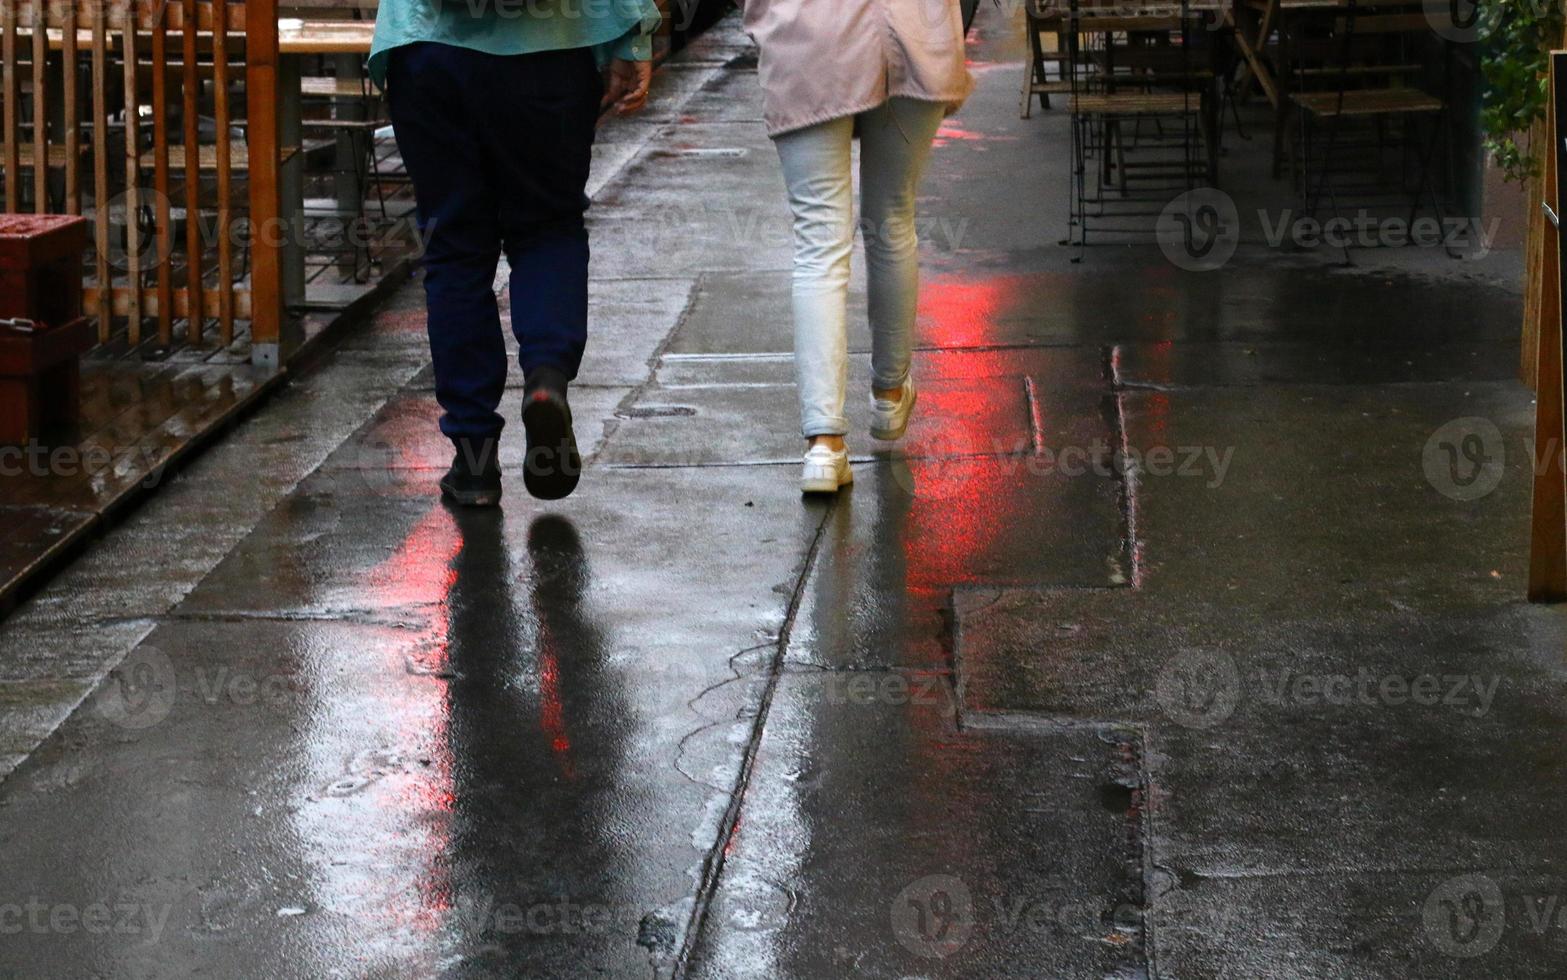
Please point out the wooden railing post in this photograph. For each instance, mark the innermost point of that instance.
(1548, 521)
(268, 229)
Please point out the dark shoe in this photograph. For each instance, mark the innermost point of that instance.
(475, 477)
(552, 465)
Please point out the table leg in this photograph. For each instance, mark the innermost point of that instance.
(347, 186)
(350, 193)
(291, 183)
(1251, 51)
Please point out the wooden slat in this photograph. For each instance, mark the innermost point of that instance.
(100, 146)
(73, 123)
(120, 301)
(330, 87)
(115, 23)
(1386, 24)
(208, 154)
(325, 36)
(263, 95)
(1096, 24)
(160, 152)
(40, 111)
(12, 99)
(192, 164)
(220, 87)
(1539, 147)
(1136, 103)
(132, 185)
(56, 158)
(1548, 516)
(1368, 102)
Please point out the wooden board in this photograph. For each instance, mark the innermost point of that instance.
(1548, 517)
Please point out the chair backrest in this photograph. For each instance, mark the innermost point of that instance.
(1361, 44)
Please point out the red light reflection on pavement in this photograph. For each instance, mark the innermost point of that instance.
(551, 711)
(419, 575)
(958, 311)
(961, 507)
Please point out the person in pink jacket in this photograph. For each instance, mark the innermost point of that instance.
(887, 72)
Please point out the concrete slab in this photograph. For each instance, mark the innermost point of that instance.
(1302, 676)
(1024, 298)
(439, 877)
(1193, 365)
(368, 620)
(714, 409)
(716, 425)
(866, 607)
(405, 435)
(749, 313)
(1348, 508)
(710, 197)
(842, 864)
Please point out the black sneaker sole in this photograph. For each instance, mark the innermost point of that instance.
(488, 497)
(553, 465)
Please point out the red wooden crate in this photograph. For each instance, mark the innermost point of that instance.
(41, 283)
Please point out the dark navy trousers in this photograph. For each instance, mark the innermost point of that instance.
(498, 148)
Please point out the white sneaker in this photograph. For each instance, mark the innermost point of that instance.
(825, 471)
(889, 420)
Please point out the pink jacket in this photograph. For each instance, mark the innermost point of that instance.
(825, 59)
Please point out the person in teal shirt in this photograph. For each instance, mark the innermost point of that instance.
(616, 30)
(495, 104)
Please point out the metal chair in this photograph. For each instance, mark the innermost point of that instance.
(1142, 105)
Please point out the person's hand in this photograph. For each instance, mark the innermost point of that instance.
(626, 85)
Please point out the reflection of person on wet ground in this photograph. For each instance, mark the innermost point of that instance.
(538, 729)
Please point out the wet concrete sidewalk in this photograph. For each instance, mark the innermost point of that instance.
(1265, 703)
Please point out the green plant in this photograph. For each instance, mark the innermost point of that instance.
(1513, 64)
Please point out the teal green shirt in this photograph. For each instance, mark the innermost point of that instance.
(613, 28)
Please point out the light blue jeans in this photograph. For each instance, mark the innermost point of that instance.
(895, 142)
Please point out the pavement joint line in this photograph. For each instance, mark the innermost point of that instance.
(710, 385)
(1130, 552)
(713, 863)
(613, 423)
(1037, 724)
(1140, 815)
(363, 617)
(618, 279)
(918, 348)
(742, 356)
(886, 456)
(1036, 414)
(813, 667)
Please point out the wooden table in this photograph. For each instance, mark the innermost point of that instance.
(348, 42)
(300, 37)
(1268, 15)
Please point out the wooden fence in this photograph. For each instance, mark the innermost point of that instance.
(159, 120)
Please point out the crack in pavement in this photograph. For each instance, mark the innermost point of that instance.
(713, 864)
